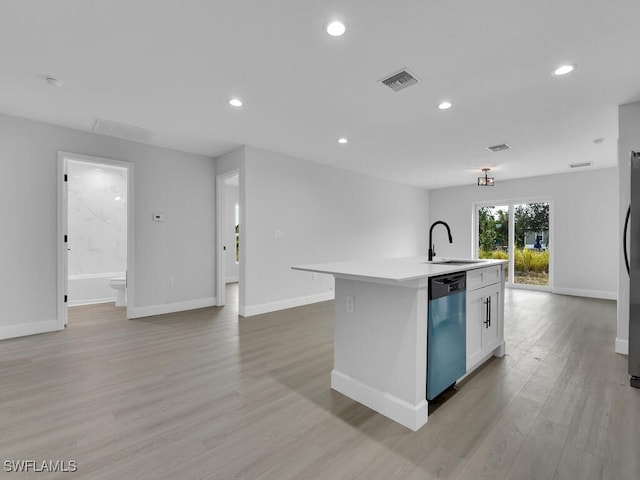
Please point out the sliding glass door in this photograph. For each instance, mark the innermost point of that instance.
(493, 232)
(518, 232)
(531, 230)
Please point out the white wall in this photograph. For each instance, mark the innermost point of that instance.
(178, 184)
(323, 214)
(585, 223)
(629, 139)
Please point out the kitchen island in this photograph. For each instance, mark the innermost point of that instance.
(380, 330)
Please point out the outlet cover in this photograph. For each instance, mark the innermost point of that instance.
(350, 304)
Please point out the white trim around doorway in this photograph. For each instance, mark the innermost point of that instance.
(62, 228)
(511, 203)
(220, 258)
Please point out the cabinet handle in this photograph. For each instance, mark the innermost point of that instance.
(487, 312)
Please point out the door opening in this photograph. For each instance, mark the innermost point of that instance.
(95, 225)
(229, 238)
(518, 231)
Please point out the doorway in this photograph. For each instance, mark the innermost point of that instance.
(229, 236)
(95, 213)
(520, 232)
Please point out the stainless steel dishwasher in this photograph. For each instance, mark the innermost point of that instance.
(446, 332)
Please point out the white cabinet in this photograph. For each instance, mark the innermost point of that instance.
(484, 315)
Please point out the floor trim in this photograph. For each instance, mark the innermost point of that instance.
(411, 416)
(139, 312)
(24, 329)
(578, 292)
(248, 311)
(622, 346)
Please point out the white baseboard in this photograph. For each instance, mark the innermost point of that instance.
(577, 292)
(622, 346)
(411, 416)
(248, 311)
(138, 312)
(33, 328)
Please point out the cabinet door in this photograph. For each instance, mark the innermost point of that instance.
(483, 323)
(491, 320)
(475, 317)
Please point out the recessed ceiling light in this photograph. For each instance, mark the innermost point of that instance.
(343, 140)
(235, 102)
(54, 81)
(563, 70)
(445, 105)
(335, 28)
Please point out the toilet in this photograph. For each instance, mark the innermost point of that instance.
(120, 285)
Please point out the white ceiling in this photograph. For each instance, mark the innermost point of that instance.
(171, 66)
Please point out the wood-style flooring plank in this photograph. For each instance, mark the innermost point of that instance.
(206, 394)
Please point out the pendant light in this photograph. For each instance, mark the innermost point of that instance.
(485, 181)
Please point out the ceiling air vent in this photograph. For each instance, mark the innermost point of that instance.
(120, 130)
(580, 165)
(499, 148)
(400, 80)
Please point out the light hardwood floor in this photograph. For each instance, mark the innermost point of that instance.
(205, 395)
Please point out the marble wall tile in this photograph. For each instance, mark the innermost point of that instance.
(97, 218)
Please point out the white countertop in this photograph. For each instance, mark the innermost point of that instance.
(395, 269)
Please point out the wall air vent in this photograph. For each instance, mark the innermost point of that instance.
(499, 148)
(120, 130)
(400, 80)
(580, 165)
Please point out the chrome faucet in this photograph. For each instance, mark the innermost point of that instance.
(432, 248)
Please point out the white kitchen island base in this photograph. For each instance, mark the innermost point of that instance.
(405, 413)
(380, 333)
(379, 351)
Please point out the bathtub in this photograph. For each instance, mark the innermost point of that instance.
(92, 288)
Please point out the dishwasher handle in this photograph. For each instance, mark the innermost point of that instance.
(446, 280)
(445, 285)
